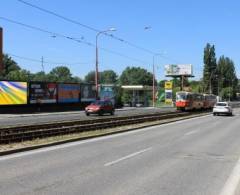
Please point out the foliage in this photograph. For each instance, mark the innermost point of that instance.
(60, 74)
(9, 66)
(108, 77)
(210, 70)
(90, 77)
(136, 76)
(105, 77)
(227, 75)
(19, 75)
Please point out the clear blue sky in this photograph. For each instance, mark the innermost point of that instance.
(179, 29)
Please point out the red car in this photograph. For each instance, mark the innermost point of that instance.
(100, 107)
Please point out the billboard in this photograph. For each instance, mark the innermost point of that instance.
(88, 92)
(42, 93)
(178, 70)
(168, 96)
(107, 93)
(168, 85)
(68, 93)
(13, 93)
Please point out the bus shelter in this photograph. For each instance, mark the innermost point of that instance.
(137, 95)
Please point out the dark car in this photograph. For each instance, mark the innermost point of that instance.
(100, 107)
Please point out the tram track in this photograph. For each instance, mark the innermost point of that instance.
(31, 132)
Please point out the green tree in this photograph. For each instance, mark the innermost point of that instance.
(20, 75)
(108, 77)
(60, 74)
(210, 69)
(136, 76)
(227, 75)
(90, 77)
(40, 76)
(9, 66)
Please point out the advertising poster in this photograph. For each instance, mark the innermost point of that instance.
(68, 93)
(168, 96)
(168, 85)
(178, 70)
(13, 93)
(88, 92)
(43, 93)
(107, 93)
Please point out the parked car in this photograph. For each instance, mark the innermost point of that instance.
(222, 108)
(100, 107)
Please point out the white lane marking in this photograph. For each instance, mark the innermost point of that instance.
(190, 133)
(127, 157)
(233, 181)
(67, 145)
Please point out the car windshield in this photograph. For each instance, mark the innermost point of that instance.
(98, 103)
(221, 104)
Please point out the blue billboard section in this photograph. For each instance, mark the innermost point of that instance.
(68, 93)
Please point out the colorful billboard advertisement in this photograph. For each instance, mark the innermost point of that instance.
(12, 93)
(41, 93)
(88, 92)
(178, 70)
(68, 93)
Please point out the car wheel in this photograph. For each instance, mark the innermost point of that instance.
(112, 112)
(87, 113)
(214, 114)
(100, 113)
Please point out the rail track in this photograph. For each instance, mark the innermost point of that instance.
(30, 132)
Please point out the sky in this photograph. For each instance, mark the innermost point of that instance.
(178, 30)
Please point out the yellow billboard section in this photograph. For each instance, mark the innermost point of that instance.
(12, 93)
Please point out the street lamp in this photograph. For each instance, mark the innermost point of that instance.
(96, 71)
(153, 83)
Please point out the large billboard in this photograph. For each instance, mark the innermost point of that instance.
(13, 93)
(42, 93)
(178, 70)
(68, 93)
(88, 92)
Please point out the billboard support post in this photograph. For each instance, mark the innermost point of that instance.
(1, 51)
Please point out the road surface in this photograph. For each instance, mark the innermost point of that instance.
(27, 119)
(191, 157)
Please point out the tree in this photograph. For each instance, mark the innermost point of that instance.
(227, 75)
(60, 74)
(108, 77)
(90, 77)
(210, 69)
(9, 66)
(19, 75)
(136, 76)
(40, 76)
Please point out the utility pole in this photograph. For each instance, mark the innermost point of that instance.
(1, 51)
(42, 64)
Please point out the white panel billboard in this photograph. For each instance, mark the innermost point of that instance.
(178, 70)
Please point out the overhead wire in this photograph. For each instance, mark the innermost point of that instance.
(69, 38)
(87, 26)
(48, 62)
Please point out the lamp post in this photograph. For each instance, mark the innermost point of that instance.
(153, 83)
(96, 70)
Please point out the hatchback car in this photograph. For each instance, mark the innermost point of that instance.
(222, 108)
(100, 107)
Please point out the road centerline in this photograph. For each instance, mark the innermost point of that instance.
(127, 157)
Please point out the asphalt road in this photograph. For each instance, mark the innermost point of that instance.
(26, 119)
(192, 157)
